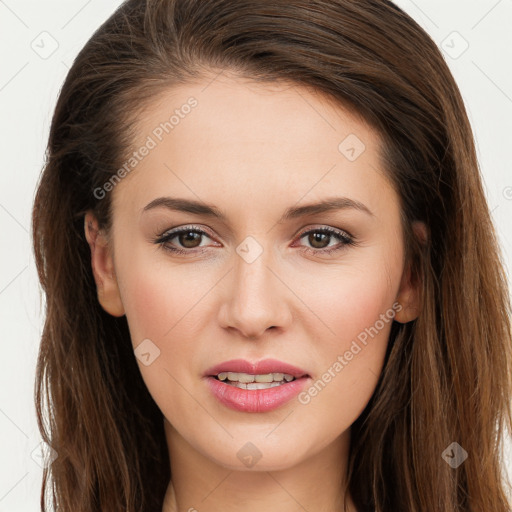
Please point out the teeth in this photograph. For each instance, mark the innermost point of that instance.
(269, 377)
(246, 378)
(255, 385)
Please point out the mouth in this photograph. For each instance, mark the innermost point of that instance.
(267, 372)
(255, 387)
(259, 381)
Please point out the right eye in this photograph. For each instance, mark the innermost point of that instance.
(187, 237)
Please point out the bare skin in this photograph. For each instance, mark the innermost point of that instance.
(253, 151)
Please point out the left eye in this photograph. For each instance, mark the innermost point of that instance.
(318, 237)
(189, 238)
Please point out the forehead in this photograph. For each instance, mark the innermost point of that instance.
(230, 140)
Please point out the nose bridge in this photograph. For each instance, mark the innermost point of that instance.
(252, 280)
(256, 299)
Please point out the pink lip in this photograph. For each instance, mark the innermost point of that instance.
(255, 400)
(258, 368)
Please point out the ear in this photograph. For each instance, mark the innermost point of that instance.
(103, 267)
(409, 293)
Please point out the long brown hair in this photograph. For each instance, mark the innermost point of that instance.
(447, 374)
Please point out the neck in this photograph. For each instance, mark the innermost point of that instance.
(199, 483)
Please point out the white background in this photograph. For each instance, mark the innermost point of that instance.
(29, 83)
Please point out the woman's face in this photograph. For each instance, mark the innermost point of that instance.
(259, 279)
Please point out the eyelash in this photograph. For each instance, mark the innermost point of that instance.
(345, 239)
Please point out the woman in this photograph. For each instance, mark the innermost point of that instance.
(272, 279)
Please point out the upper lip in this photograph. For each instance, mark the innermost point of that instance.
(257, 368)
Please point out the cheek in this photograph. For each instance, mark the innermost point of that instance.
(160, 300)
(351, 363)
(357, 306)
(161, 305)
(352, 299)
(149, 306)
(357, 316)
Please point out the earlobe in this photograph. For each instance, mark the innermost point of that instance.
(409, 294)
(103, 267)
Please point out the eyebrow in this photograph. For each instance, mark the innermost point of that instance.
(201, 208)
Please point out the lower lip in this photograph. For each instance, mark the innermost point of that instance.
(255, 400)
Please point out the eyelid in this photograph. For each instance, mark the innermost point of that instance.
(189, 227)
(300, 234)
(323, 227)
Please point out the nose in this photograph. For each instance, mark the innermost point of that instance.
(257, 300)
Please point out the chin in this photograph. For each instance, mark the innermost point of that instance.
(255, 453)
